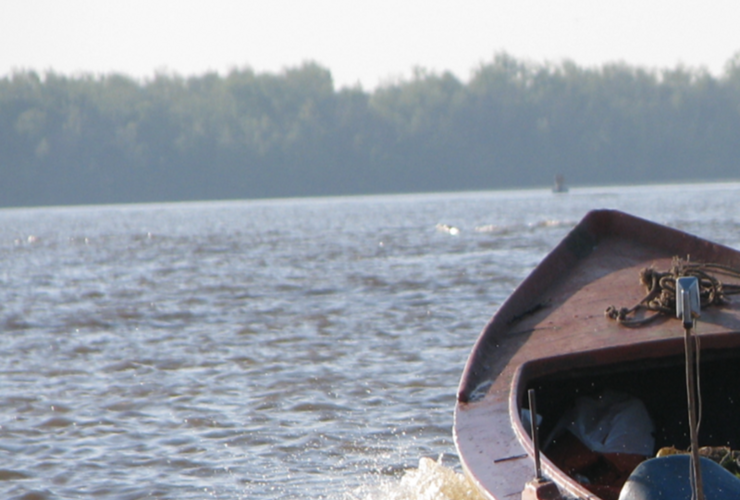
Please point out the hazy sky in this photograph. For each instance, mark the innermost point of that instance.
(365, 41)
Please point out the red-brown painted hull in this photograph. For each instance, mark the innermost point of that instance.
(554, 322)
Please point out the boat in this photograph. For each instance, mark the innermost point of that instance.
(559, 184)
(579, 379)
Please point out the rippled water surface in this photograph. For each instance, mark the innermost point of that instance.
(304, 348)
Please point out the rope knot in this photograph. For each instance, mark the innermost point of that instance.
(661, 290)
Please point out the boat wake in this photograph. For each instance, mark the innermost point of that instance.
(446, 228)
(430, 481)
(514, 228)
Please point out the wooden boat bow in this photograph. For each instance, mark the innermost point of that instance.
(553, 327)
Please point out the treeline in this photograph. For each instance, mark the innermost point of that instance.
(110, 139)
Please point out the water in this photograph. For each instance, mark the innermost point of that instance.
(304, 348)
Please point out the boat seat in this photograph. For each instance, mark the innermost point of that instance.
(667, 478)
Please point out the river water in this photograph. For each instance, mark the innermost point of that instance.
(298, 348)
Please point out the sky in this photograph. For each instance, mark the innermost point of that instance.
(362, 42)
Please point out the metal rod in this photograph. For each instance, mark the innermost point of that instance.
(691, 393)
(535, 433)
(688, 307)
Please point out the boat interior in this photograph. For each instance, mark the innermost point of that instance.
(655, 375)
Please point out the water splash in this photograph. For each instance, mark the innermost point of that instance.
(430, 481)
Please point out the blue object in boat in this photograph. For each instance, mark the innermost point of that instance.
(667, 478)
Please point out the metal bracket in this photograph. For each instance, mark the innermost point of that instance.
(688, 300)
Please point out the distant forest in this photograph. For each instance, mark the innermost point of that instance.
(112, 139)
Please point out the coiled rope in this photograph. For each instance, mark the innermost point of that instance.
(661, 290)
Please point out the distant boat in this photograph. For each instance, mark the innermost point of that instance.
(610, 390)
(559, 185)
